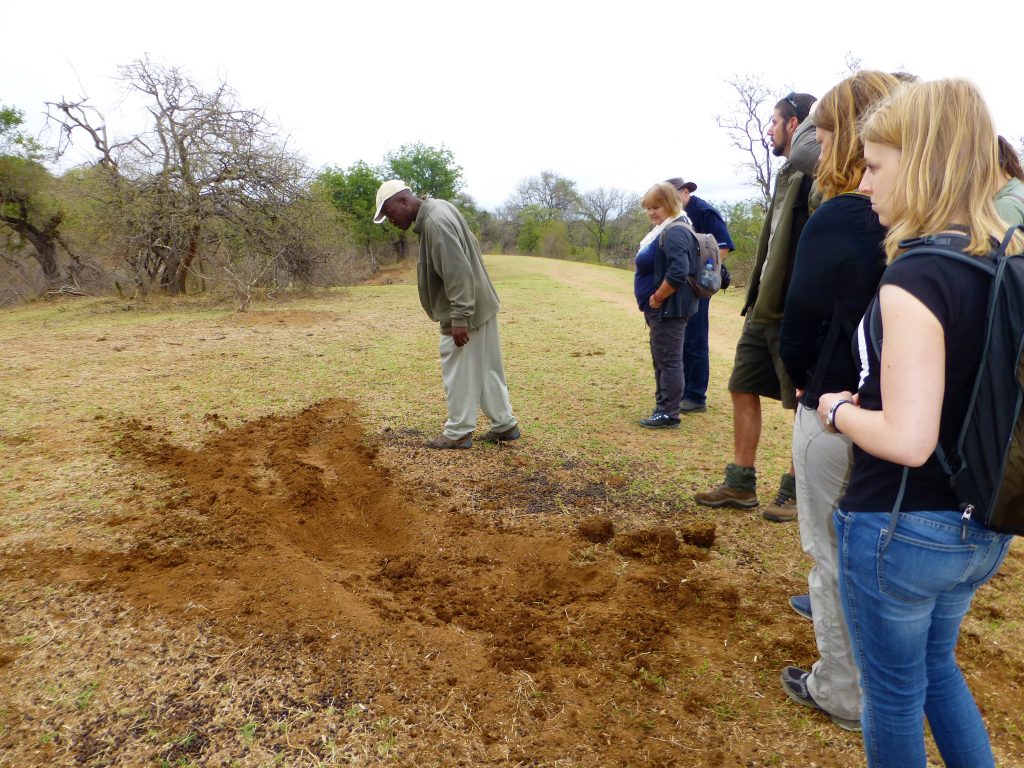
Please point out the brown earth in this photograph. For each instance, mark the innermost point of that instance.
(297, 592)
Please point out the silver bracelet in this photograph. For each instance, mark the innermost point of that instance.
(830, 420)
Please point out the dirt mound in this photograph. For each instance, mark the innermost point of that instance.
(599, 529)
(529, 643)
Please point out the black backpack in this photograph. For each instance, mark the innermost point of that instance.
(986, 466)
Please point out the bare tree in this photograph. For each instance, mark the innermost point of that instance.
(853, 64)
(598, 209)
(548, 192)
(204, 164)
(747, 126)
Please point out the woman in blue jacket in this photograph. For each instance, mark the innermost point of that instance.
(666, 257)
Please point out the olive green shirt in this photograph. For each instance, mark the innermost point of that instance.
(769, 279)
(455, 289)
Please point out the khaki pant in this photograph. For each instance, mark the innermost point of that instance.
(823, 462)
(474, 379)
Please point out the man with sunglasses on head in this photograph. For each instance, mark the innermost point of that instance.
(758, 370)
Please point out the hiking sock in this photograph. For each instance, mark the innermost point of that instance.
(788, 486)
(741, 478)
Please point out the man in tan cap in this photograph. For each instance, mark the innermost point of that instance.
(456, 291)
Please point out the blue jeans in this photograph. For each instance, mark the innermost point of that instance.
(904, 603)
(696, 366)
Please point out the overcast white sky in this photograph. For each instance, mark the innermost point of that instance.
(613, 94)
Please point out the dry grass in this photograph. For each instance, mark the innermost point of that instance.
(75, 659)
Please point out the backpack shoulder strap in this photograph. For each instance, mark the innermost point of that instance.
(673, 225)
(670, 225)
(984, 263)
(839, 322)
(929, 246)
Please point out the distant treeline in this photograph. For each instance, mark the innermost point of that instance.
(210, 198)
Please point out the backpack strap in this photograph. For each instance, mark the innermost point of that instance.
(838, 322)
(993, 266)
(680, 222)
(1007, 238)
(683, 222)
(997, 267)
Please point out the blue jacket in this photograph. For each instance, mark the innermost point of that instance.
(680, 257)
(643, 278)
(708, 221)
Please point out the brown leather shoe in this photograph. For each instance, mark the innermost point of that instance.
(727, 496)
(446, 442)
(782, 510)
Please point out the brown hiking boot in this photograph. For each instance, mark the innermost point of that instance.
(502, 437)
(446, 442)
(782, 510)
(727, 496)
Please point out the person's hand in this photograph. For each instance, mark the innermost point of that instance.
(653, 302)
(826, 401)
(460, 335)
(799, 394)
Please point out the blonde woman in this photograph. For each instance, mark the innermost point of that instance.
(839, 261)
(664, 259)
(931, 170)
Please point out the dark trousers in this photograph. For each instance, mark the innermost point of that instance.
(696, 365)
(667, 354)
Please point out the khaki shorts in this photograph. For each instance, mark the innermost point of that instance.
(758, 369)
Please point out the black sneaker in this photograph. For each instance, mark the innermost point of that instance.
(660, 421)
(692, 406)
(802, 605)
(794, 683)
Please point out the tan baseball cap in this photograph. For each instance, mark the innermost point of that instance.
(387, 190)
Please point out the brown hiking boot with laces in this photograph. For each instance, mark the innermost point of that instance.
(725, 495)
(782, 510)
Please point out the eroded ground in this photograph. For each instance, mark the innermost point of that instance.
(309, 593)
(315, 588)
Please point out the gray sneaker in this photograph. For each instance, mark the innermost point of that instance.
(690, 406)
(794, 683)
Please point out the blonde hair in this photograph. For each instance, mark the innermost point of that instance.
(842, 163)
(949, 168)
(665, 195)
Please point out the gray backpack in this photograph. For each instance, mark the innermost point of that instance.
(708, 279)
